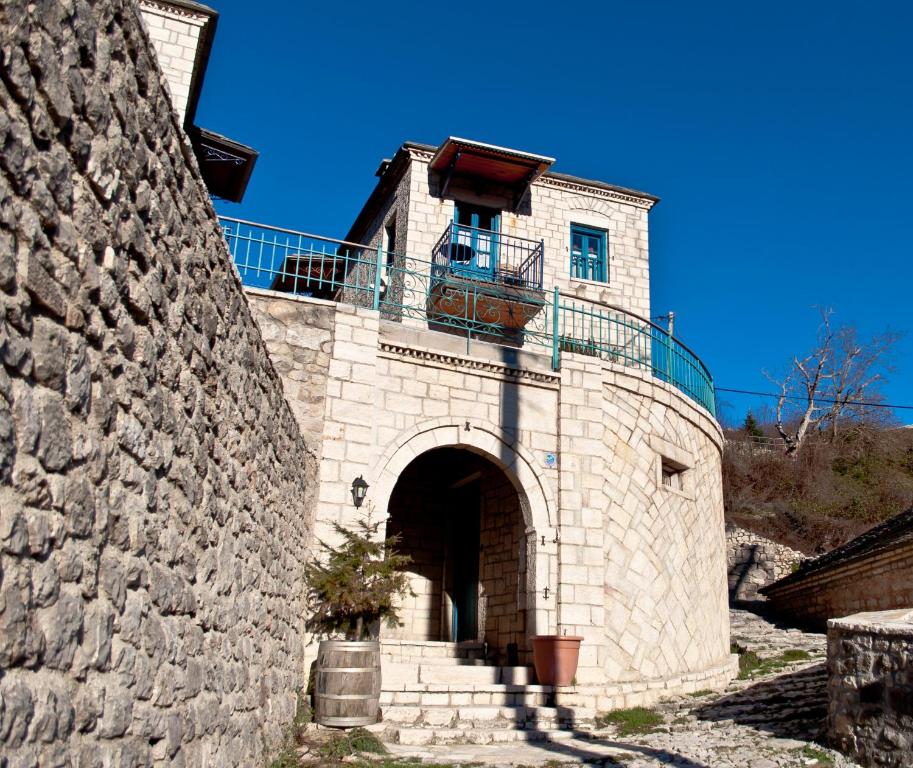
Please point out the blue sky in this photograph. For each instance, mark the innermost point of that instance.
(778, 135)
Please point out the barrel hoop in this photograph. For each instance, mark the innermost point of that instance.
(361, 646)
(347, 721)
(349, 696)
(348, 669)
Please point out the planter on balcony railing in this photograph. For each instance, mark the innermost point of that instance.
(478, 305)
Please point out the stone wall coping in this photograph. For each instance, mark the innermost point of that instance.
(269, 294)
(894, 622)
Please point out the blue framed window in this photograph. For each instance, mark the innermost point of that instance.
(588, 254)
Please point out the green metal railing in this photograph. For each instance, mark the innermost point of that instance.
(405, 289)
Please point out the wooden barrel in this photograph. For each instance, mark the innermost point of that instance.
(347, 683)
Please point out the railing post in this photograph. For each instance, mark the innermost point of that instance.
(377, 268)
(556, 348)
(540, 278)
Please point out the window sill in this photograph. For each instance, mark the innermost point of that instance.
(677, 492)
(594, 283)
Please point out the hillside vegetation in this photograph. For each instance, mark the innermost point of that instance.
(825, 493)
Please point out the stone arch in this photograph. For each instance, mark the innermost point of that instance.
(536, 497)
(537, 501)
(591, 205)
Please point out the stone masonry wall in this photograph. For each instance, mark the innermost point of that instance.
(754, 562)
(870, 687)
(154, 486)
(301, 359)
(878, 581)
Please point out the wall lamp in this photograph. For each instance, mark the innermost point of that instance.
(359, 489)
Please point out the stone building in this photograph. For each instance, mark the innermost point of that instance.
(873, 572)
(182, 33)
(478, 350)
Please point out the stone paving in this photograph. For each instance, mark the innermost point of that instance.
(771, 721)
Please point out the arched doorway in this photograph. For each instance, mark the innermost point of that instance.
(460, 519)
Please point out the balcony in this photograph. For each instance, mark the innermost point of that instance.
(497, 298)
(488, 275)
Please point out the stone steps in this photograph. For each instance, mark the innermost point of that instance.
(397, 675)
(431, 652)
(444, 693)
(485, 717)
(420, 736)
(439, 695)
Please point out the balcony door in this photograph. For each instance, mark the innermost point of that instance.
(475, 237)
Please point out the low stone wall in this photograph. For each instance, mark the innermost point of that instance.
(870, 687)
(155, 490)
(753, 562)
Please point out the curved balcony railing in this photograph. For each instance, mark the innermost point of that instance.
(406, 289)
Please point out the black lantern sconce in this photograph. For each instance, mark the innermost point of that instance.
(359, 489)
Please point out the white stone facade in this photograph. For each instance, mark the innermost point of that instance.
(599, 509)
(635, 567)
(176, 30)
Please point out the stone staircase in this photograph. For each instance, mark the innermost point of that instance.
(445, 693)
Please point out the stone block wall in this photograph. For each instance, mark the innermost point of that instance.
(154, 485)
(604, 550)
(870, 687)
(878, 580)
(754, 562)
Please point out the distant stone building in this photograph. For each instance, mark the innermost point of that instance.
(873, 572)
(478, 350)
(182, 33)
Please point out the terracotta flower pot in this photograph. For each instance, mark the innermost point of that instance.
(555, 658)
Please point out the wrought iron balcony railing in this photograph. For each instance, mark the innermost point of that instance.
(405, 289)
(489, 256)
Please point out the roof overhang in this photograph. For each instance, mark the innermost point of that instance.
(510, 169)
(226, 165)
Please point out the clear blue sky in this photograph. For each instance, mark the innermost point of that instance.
(778, 135)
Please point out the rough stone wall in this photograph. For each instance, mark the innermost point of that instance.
(876, 581)
(754, 562)
(154, 485)
(502, 567)
(301, 359)
(417, 519)
(553, 207)
(870, 687)
(175, 34)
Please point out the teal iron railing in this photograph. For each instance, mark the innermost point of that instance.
(406, 289)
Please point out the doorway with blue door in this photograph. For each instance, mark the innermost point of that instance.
(475, 239)
(457, 515)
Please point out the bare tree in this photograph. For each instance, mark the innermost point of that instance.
(833, 383)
